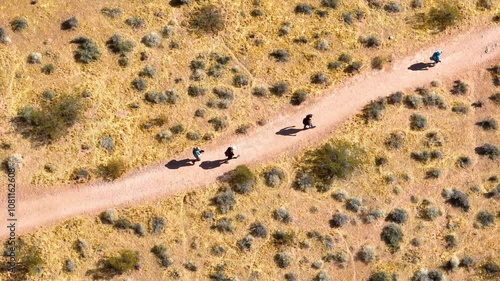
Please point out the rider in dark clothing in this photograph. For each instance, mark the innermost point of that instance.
(308, 121)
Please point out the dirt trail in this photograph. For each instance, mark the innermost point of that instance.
(461, 53)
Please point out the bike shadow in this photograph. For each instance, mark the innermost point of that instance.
(289, 131)
(421, 66)
(212, 164)
(176, 164)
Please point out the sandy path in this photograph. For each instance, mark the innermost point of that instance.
(463, 52)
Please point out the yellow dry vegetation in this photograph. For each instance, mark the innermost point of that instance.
(189, 236)
(108, 111)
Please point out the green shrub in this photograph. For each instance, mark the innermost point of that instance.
(298, 97)
(52, 121)
(413, 101)
(395, 140)
(334, 4)
(258, 229)
(485, 218)
(280, 89)
(114, 169)
(395, 98)
(245, 244)
(69, 266)
(378, 62)
(160, 251)
(135, 22)
(18, 24)
(393, 7)
(333, 160)
(380, 276)
(339, 220)
(218, 123)
(366, 254)
(432, 99)
(355, 66)
(273, 177)
(111, 12)
(242, 179)
(260, 91)
(488, 124)
(304, 8)
(488, 150)
(208, 19)
(243, 129)
(283, 238)
(282, 215)
(348, 18)
(283, 259)
(320, 78)
(460, 88)
(442, 17)
(392, 236)
(418, 122)
(126, 261)
(240, 80)
(48, 69)
(224, 201)
(31, 260)
(117, 45)
(370, 41)
(353, 204)
(374, 110)
(495, 98)
(224, 225)
(334, 65)
(87, 52)
(280, 55)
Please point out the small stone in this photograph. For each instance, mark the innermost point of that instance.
(391, 37)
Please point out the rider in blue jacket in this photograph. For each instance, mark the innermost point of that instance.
(436, 57)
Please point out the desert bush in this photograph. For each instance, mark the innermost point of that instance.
(195, 91)
(260, 91)
(164, 135)
(284, 30)
(193, 136)
(224, 201)
(433, 173)
(425, 275)
(69, 24)
(108, 143)
(303, 181)
(413, 101)
(322, 276)
(119, 46)
(418, 122)
(334, 65)
(398, 216)
(69, 265)
(495, 98)
(374, 110)
(126, 261)
(442, 17)
(467, 261)
(464, 162)
(197, 64)
(208, 19)
(218, 123)
(488, 150)
(280, 89)
(30, 260)
(421, 156)
(155, 97)
(283, 238)
(393, 7)
(304, 8)
(488, 124)
(322, 45)
(52, 121)
(353, 204)
(18, 24)
(282, 215)
(218, 250)
(380, 276)
(111, 12)
(273, 177)
(416, 4)
(378, 62)
(460, 108)
(200, 112)
(298, 97)
(243, 129)
(355, 66)
(451, 241)
(240, 80)
(370, 41)
(395, 140)
(429, 212)
(139, 84)
(258, 229)
(113, 169)
(109, 216)
(283, 259)
(348, 18)
(123, 224)
(87, 51)
(280, 55)
(366, 254)
(457, 199)
(460, 88)
(320, 78)
(48, 69)
(392, 236)
(224, 225)
(339, 220)
(340, 195)
(157, 225)
(485, 218)
(333, 160)
(245, 244)
(494, 193)
(434, 100)
(223, 93)
(334, 4)
(191, 266)
(242, 179)
(256, 13)
(491, 269)
(135, 22)
(345, 58)
(484, 4)
(377, 4)
(177, 129)
(151, 40)
(167, 31)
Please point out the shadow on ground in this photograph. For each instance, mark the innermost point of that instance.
(421, 66)
(176, 164)
(212, 164)
(289, 131)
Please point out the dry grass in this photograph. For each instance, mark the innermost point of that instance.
(312, 210)
(109, 114)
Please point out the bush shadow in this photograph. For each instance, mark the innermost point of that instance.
(420, 66)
